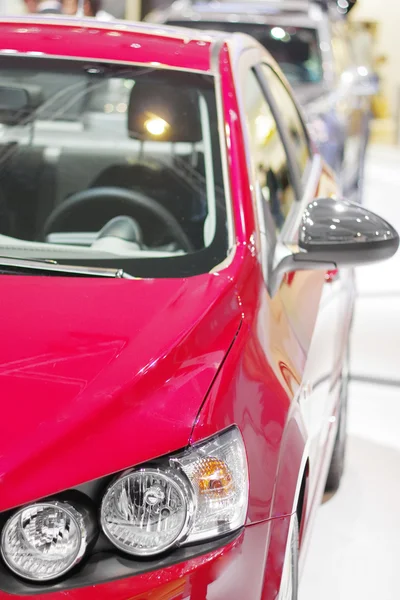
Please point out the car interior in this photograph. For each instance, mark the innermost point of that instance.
(94, 163)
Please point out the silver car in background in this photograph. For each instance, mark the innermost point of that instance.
(311, 43)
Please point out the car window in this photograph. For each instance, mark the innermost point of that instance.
(83, 144)
(268, 152)
(291, 117)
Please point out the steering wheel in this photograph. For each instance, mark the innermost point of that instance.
(130, 198)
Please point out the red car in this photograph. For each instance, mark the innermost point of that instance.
(176, 299)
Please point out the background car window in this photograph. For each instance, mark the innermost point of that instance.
(291, 117)
(296, 49)
(268, 152)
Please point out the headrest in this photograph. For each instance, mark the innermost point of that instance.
(163, 112)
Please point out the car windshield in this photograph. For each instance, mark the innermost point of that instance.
(107, 166)
(296, 49)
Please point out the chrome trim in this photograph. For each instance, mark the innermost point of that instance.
(85, 525)
(184, 486)
(54, 267)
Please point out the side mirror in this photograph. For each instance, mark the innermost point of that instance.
(345, 233)
(337, 233)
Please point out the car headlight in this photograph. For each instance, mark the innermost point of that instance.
(147, 511)
(45, 540)
(198, 495)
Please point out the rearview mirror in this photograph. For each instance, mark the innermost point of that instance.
(338, 233)
(18, 102)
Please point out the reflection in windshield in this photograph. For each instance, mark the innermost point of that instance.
(108, 167)
(296, 49)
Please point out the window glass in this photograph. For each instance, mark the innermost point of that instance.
(268, 152)
(291, 117)
(84, 144)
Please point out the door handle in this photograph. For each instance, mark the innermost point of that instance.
(332, 275)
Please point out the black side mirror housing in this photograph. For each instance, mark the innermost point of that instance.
(345, 233)
(338, 233)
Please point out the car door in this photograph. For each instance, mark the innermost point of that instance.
(286, 178)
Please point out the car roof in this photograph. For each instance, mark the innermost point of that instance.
(252, 5)
(252, 11)
(116, 41)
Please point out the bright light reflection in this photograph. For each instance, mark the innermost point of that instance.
(265, 127)
(278, 33)
(347, 77)
(156, 126)
(362, 71)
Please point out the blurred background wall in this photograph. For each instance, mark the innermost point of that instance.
(383, 19)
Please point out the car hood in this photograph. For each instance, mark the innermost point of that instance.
(99, 375)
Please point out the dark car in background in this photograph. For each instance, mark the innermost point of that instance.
(311, 43)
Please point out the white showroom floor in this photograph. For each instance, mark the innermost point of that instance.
(355, 550)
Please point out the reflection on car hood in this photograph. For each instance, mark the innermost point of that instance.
(99, 375)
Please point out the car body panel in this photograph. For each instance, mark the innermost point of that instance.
(76, 386)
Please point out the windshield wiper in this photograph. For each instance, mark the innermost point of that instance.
(18, 265)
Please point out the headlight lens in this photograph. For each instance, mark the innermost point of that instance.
(45, 540)
(217, 470)
(146, 511)
(200, 494)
